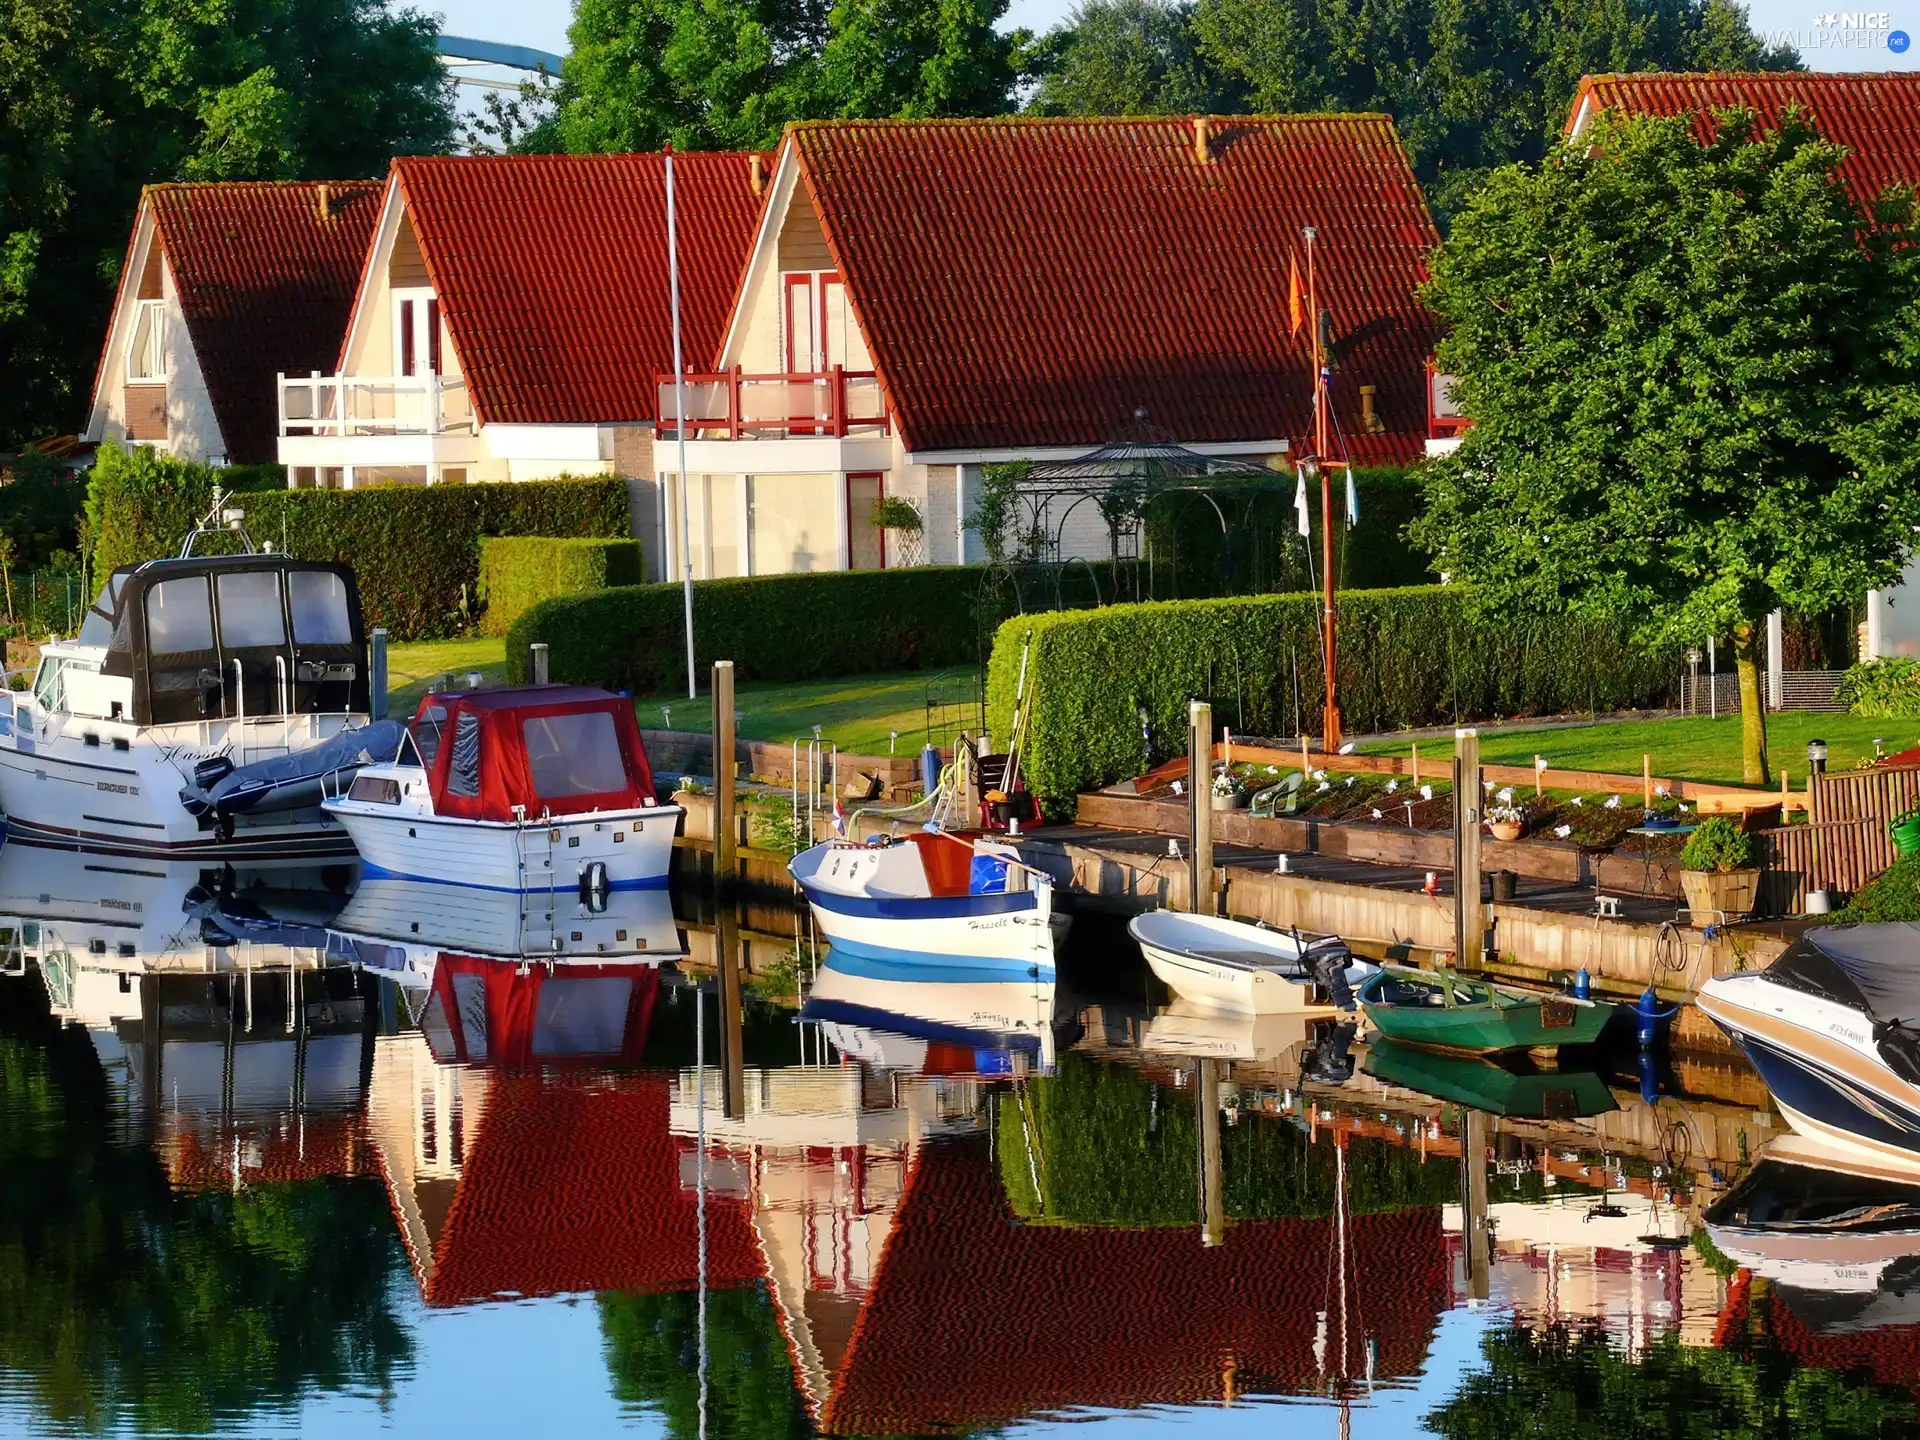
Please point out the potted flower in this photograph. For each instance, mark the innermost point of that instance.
(1507, 822)
(1717, 873)
(1226, 791)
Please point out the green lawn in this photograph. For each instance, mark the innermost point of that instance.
(412, 668)
(1689, 749)
(854, 713)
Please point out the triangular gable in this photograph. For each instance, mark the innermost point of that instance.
(1027, 283)
(551, 273)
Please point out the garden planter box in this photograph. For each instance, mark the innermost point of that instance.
(1228, 802)
(1713, 897)
(1505, 829)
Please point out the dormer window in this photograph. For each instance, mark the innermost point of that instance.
(147, 355)
(416, 326)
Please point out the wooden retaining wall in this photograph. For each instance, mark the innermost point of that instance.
(1385, 844)
(673, 753)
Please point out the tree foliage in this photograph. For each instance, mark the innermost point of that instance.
(1471, 87)
(731, 74)
(101, 97)
(653, 1349)
(1689, 362)
(1571, 1384)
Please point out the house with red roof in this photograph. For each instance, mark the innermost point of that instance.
(510, 315)
(223, 285)
(924, 298)
(1877, 118)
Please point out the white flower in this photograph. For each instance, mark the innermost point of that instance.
(1486, 785)
(1539, 762)
(1392, 785)
(1179, 787)
(1376, 812)
(1613, 802)
(1660, 790)
(1426, 792)
(1350, 780)
(1563, 831)
(1323, 785)
(1578, 801)
(1273, 769)
(1683, 809)
(1505, 797)
(1319, 774)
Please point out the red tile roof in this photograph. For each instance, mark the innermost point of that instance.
(266, 284)
(1031, 282)
(269, 1150)
(573, 1185)
(551, 272)
(1877, 117)
(1030, 1318)
(1890, 1354)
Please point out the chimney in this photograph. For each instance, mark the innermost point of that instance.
(757, 173)
(1202, 140)
(1370, 422)
(323, 203)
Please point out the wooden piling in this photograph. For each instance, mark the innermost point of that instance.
(1200, 807)
(1416, 767)
(1473, 1204)
(1646, 782)
(1206, 1100)
(1538, 770)
(1469, 922)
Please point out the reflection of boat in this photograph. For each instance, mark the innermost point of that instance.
(1833, 1026)
(184, 671)
(907, 1022)
(1809, 1217)
(509, 1014)
(399, 927)
(1482, 1085)
(952, 908)
(1418, 1007)
(1228, 965)
(542, 788)
(1184, 1028)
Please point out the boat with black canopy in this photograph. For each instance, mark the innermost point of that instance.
(196, 711)
(1833, 1026)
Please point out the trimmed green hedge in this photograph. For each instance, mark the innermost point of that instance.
(415, 549)
(517, 572)
(773, 627)
(1410, 657)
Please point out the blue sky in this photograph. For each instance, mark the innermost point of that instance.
(543, 23)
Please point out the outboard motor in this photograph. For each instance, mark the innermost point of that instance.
(1328, 962)
(1331, 1062)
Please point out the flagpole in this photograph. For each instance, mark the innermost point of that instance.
(1330, 737)
(680, 422)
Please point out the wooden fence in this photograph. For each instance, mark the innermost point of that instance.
(1828, 855)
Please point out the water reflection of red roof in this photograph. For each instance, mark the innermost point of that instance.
(1889, 1353)
(275, 1150)
(976, 1319)
(572, 1185)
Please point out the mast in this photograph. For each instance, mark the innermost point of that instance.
(1330, 728)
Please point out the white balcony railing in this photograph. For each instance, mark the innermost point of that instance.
(735, 406)
(374, 405)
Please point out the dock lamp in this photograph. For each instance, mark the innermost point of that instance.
(1817, 756)
(1694, 657)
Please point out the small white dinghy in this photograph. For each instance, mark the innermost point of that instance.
(932, 906)
(1248, 969)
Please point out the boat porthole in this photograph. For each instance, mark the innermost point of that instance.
(411, 834)
(573, 841)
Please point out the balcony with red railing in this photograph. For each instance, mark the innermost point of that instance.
(1444, 420)
(732, 405)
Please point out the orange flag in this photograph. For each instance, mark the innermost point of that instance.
(1296, 297)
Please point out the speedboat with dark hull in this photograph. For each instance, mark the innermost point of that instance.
(193, 714)
(1833, 1027)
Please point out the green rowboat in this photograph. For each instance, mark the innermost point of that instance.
(1482, 1085)
(1448, 1012)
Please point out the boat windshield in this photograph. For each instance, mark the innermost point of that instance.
(97, 628)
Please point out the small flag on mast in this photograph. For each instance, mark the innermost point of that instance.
(1296, 296)
(1300, 501)
(1353, 499)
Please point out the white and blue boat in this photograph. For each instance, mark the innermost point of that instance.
(932, 906)
(1833, 1026)
(930, 1027)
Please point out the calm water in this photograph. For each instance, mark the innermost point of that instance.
(416, 1183)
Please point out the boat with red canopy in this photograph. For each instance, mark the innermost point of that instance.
(542, 787)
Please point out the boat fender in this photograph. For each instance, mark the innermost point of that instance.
(1582, 984)
(1648, 1014)
(1649, 1078)
(593, 886)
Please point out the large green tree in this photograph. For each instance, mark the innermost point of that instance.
(1691, 364)
(1471, 86)
(101, 97)
(730, 74)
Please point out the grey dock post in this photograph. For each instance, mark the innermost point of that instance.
(1200, 899)
(377, 674)
(538, 668)
(725, 873)
(1469, 916)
